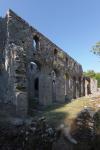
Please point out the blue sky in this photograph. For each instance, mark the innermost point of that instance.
(73, 25)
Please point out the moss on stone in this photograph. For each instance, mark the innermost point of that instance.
(21, 88)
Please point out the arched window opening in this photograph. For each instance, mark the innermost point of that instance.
(55, 52)
(74, 65)
(53, 74)
(57, 72)
(36, 43)
(67, 76)
(34, 67)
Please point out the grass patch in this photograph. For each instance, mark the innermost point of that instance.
(66, 113)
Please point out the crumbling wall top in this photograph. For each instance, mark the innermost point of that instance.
(10, 13)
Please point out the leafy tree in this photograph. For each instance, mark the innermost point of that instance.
(96, 48)
(90, 73)
(93, 74)
(97, 76)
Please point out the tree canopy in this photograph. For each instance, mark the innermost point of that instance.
(93, 74)
(90, 73)
(96, 48)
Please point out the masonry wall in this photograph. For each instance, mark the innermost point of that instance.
(3, 72)
(35, 69)
(2, 34)
(89, 86)
(93, 85)
(57, 74)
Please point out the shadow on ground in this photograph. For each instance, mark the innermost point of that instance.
(54, 116)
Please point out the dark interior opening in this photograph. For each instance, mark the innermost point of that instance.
(36, 84)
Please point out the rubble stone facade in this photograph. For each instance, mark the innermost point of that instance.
(90, 86)
(34, 69)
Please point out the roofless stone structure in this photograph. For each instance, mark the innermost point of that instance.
(34, 69)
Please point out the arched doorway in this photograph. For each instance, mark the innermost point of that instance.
(88, 87)
(74, 87)
(36, 88)
(33, 81)
(54, 91)
(36, 43)
(67, 86)
(53, 74)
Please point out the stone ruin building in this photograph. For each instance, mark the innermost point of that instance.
(34, 69)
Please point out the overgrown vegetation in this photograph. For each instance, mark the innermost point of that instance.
(96, 48)
(20, 87)
(93, 74)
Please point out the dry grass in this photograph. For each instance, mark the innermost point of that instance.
(66, 113)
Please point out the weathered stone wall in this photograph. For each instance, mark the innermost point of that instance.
(3, 73)
(2, 34)
(89, 86)
(93, 85)
(36, 69)
(15, 65)
(21, 34)
(86, 86)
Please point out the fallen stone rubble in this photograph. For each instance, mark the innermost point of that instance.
(86, 130)
(84, 134)
(37, 136)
